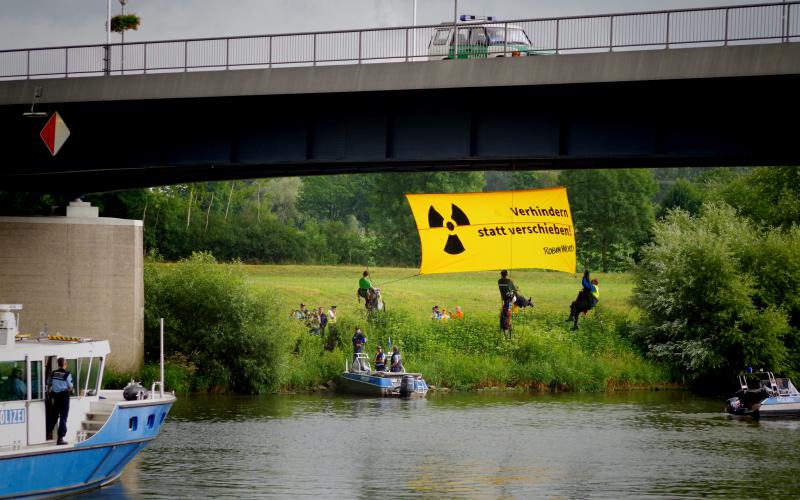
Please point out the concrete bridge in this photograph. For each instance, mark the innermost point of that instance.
(680, 102)
(700, 106)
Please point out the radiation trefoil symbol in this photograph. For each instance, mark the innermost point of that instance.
(457, 218)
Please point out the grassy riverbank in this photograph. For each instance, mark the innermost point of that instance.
(472, 353)
(230, 329)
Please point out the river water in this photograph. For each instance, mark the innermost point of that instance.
(667, 444)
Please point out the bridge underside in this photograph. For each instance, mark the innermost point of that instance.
(135, 143)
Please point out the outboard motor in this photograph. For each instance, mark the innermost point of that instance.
(134, 391)
(407, 386)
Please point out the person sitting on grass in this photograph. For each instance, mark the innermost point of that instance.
(435, 314)
(458, 314)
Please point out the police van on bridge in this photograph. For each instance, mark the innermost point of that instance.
(481, 38)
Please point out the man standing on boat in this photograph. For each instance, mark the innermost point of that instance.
(359, 341)
(61, 386)
(397, 363)
(380, 360)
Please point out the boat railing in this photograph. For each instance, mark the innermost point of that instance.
(360, 363)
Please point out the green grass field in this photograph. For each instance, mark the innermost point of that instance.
(476, 293)
(472, 353)
(543, 352)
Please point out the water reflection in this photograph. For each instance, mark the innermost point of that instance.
(637, 444)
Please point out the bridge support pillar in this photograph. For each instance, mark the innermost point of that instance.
(81, 275)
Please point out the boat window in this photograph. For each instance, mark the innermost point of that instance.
(72, 367)
(87, 375)
(37, 380)
(133, 423)
(151, 421)
(13, 385)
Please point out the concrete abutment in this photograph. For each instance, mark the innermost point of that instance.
(81, 275)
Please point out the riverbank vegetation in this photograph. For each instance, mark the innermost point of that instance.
(700, 278)
(228, 329)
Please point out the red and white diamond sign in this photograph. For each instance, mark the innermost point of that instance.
(55, 133)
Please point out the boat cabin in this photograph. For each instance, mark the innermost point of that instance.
(26, 362)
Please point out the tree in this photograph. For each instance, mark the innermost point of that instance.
(683, 194)
(768, 195)
(391, 217)
(528, 179)
(612, 212)
(709, 306)
(335, 197)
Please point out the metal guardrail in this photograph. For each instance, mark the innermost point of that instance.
(664, 29)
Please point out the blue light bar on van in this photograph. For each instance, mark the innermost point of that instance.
(469, 17)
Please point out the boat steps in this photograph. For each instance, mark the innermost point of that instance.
(90, 425)
(96, 418)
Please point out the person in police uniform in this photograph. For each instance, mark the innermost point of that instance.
(61, 387)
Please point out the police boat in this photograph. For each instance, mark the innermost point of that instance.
(768, 397)
(362, 380)
(105, 428)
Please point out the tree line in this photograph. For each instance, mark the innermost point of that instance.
(360, 218)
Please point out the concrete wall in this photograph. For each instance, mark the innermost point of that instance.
(83, 276)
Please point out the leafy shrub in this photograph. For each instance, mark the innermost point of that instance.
(236, 337)
(711, 302)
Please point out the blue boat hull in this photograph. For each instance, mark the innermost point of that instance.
(68, 471)
(387, 385)
(57, 470)
(365, 385)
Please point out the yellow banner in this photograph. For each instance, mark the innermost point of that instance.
(498, 230)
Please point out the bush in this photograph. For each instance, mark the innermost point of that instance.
(235, 337)
(709, 302)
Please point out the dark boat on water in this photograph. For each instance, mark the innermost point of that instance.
(770, 397)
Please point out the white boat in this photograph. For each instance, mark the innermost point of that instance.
(770, 397)
(104, 429)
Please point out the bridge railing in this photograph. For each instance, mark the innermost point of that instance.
(664, 29)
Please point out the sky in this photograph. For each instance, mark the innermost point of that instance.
(47, 23)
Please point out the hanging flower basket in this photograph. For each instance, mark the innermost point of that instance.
(125, 22)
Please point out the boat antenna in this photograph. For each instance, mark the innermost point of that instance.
(161, 359)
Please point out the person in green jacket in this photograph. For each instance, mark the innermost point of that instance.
(365, 286)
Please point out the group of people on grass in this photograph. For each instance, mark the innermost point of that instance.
(443, 315)
(316, 319)
(395, 363)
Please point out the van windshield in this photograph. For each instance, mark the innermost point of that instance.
(515, 36)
